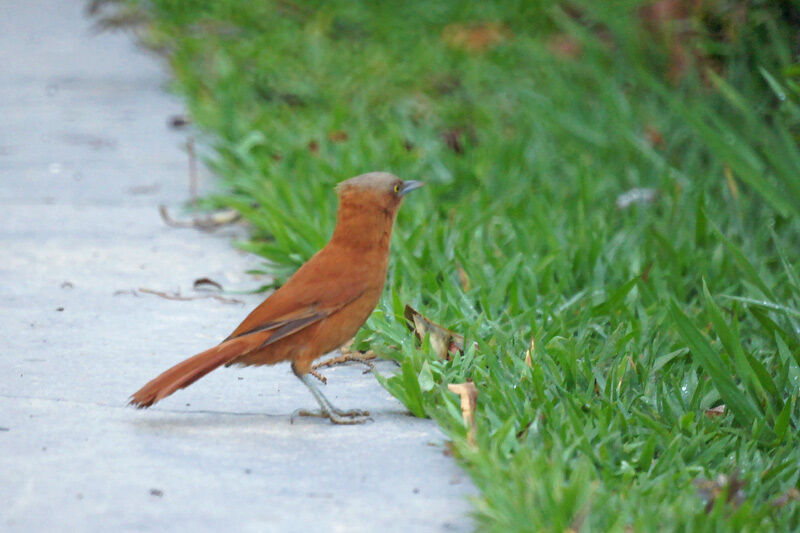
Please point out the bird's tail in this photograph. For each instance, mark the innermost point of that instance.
(187, 372)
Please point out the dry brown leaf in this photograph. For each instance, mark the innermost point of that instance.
(528, 356)
(564, 46)
(452, 138)
(206, 284)
(654, 136)
(443, 341)
(674, 25)
(792, 495)
(463, 278)
(475, 37)
(446, 84)
(662, 12)
(449, 449)
(177, 122)
(710, 490)
(469, 398)
(337, 136)
(177, 296)
(731, 182)
(646, 274)
(205, 223)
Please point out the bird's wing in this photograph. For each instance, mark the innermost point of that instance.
(288, 325)
(320, 288)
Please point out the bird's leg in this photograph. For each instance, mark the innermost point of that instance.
(327, 410)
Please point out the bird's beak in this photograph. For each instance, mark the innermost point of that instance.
(409, 186)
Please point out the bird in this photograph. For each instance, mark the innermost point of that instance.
(319, 308)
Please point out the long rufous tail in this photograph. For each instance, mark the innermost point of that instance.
(187, 372)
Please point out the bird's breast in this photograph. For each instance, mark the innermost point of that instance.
(342, 326)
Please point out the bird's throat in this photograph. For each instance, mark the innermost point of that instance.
(364, 228)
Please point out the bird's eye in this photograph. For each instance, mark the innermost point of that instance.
(396, 188)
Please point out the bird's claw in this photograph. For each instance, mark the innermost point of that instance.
(355, 416)
(349, 418)
(352, 413)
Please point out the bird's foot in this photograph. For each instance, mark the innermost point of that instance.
(352, 413)
(355, 416)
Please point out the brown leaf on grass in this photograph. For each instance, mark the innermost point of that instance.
(645, 275)
(292, 100)
(679, 62)
(792, 495)
(730, 181)
(661, 12)
(446, 84)
(337, 136)
(457, 138)
(680, 25)
(715, 411)
(476, 36)
(710, 490)
(654, 136)
(529, 352)
(443, 341)
(564, 46)
(452, 139)
(521, 433)
(469, 398)
(463, 278)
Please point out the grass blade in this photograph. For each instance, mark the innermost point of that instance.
(743, 410)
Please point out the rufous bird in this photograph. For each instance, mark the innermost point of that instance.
(320, 307)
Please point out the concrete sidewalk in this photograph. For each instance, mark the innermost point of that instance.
(85, 158)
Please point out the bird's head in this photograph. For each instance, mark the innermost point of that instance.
(379, 189)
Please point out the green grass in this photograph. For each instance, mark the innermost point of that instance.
(643, 318)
